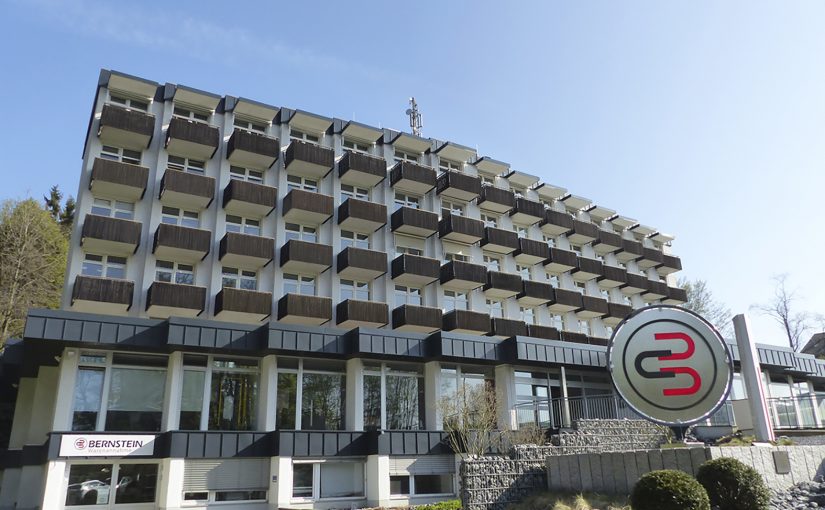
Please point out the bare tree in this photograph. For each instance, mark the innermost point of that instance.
(700, 300)
(781, 309)
(469, 417)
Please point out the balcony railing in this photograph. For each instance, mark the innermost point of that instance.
(802, 412)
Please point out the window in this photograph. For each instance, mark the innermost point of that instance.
(301, 232)
(175, 216)
(551, 241)
(107, 266)
(355, 146)
(492, 262)
(517, 190)
(405, 156)
(355, 240)
(605, 293)
(579, 286)
(448, 208)
(528, 314)
(400, 249)
(327, 480)
(454, 300)
(322, 399)
(402, 200)
(584, 327)
(488, 179)
(489, 220)
(184, 113)
(521, 230)
(172, 272)
(350, 191)
(119, 154)
(393, 399)
(243, 225)
(608, 331)
(556, 321)
(91, 484)
(128, 102)
(219, 393)
(553, 279)
(245, 174)
(250, 125)
(301, 183)
(299, 284)
(407, 296)
(239, 279)
(351, 289)
(523, 271)
(446, 165)
(113, 208)
(294, 134)
(450, 256)
(576, 248)
(118, 391)
(496, 308)
(193, 166)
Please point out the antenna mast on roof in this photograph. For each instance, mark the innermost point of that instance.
(415, 117)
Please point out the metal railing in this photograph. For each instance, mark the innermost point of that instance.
(801, 412)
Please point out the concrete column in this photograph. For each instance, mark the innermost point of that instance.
(64, 397)
(506, 395)
(355, 395)
(284, 479)
(749, 361)
(55, 486)
(23, 412)
(432, 389)
(9, 487)
(42, 407)
(565, 404)
(170, 491)
(173, 392)
(378, 480)
(268, 396)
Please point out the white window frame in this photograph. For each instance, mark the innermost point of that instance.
(300, 280)
(450, 207)
(116, 465)
(120, 154)
(316, 479)
(400, 155)
(356, 288)
(246, 124)
(239, 276)
(174, 271)
(405, 200)
(303, 136)
(358, 146)
(356, 192)
(307, 233)
(301, 183)
(580, 287)
(401, 249)
(355, 240)
(445, 165)
(490, 220)
(522, 231)
(495, 308)
(110, 208)
(523, 271)
(243, 225)
(183, 164)
(557, 321)
(455, 298)
(180, 217)
(493, 262)
(450, 256)
(128, 102)
(106, 263)
(187, 112)
(240, 173)
(527, 314)
(549, 240)
(413, 494)
(405, 295)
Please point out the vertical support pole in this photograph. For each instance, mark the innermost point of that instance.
(565, 403)
(55, 485)
(171, 484)
(269, 393)
(378, 480)
(749, 361)
(432, 388)
(355, 395)
(506, 397)
(64, 400)
(173, 392)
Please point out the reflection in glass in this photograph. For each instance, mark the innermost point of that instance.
(87, 396)
(191, 404)
(287, 395)
(372, 402)
(89, 484)
(136, 483)
(322, 403)
(232, 405)
(405, 401)
(135, 399)
(302, 480)
(342, 479)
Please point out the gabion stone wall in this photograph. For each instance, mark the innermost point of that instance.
(597, 436)
(493, 483)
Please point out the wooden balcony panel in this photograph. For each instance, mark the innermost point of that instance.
(458, 186)
(415, 271)
(252, 150)
(249, 199)
(307, 310)
(191, 138)
(498, 240)
(166, 299)
(102, 295)
(240, 305)
(417, 319)
(416, 222)
(361, 169)
(118, 180)
(186, 190)
(112, 236)
(125, 127)
(308, 159)
(531, 252)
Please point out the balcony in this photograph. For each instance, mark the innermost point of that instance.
(535, 293)
(306, 310)
(181, 244)
(531, 252)
(465, 321)
(586, 269)
(187, 190)
(582, 232)
(411, 177)
(458, 186)
(254, 150)
(239, 305)
(361, 215)
(607, 242)
(527, 212)
(675, 296)
(651, 257)
(121, 181)
(414, 222)
(616, 312)
(306, 207)
(498, 240)
(353, 313)
(308, 159)
(124, 127)
(565, 301)
(415, 271)
(459, 275)
(545, 332)
(460, 229)
(166, 299)
(191, 138)
(670, 264)
(417, 319)
(592, 307)
(361, 264)
(576, 338)
(636, 283)
(630, 250)
(361, 169)
(496, 199)
(102, 295)
(612, 277)
(507, 328)
(556, 223)
(502, 285)
(112, 236)
(560, 261)
(305, 257)
(655, 290)
(247, 251)
(249, 199)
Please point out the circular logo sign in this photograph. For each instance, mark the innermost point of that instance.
(670, 365)
(80, 443)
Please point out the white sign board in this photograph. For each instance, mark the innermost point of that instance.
(106, 445)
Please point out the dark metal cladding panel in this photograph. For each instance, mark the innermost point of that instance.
(460, 225)
(672, 262)
(362, 311)
(411, 315)
(545, 332)
(458, 270)
(308, 201)
(632, 247)
(250, 192)
(176, 295)
(362, 210)
(466, 320)
(500, 237)
(406, 170)
(111, 229)
(407, 216)
(362, 163)
(415, 265)
(658, 288)
(187, 183)
(537, 290)
(636, 281)
(595, 304)
(127, 119)
(305, 251)
(569, 336)
(652, 255)
(241, 300)
(613, 274)
(567, 297)
(310, 153)
(608, 239)
(255, 143)
(588, 265)
(558, 218)
(362, 259)
(677, 293)
(505, 281)
(193, 131)
(459, 181)
(107, 290)
(618, 310)
(247, 245)
(184, 238)
(586, 229)
(559, 256)
(497, 196)
(116, 172)
(507, 327)
(533, 248)
(529, 208)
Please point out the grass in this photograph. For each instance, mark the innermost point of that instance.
(558, 501)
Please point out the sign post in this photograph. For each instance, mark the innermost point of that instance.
(670, 365)
(752, 377)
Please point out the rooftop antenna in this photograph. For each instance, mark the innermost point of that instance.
(415, 117)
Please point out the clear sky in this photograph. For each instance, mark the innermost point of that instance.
(704, 119)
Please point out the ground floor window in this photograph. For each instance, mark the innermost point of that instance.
(111, 484)
(224, 480)
(393, 398)
(311, 395)
(327, 480)
(218, 393)
(428, 475)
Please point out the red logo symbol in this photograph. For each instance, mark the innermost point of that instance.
(669, 372)
(80, 443)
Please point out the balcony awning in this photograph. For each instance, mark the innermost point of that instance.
(623, 222)
(661, 237)
(575, 202)
(549, 192)
(306, 121)
(642, 230)
(456, 152)
(361, 132)
(131, 84)
(194, 97)
(250, 108)
(521, 179)
(412, 143)
(491, 166)
(598, 213)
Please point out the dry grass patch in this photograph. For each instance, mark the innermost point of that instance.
(560, 501)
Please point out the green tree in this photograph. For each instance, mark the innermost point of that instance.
(700, 300)
(52, 202)
(67, 215)
(32, 263)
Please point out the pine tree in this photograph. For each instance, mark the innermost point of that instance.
(67, 215)
(52, 202)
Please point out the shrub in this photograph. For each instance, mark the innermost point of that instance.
(452, 504)
(668, 489)
(731, 485)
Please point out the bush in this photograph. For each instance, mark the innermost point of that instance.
(452, 504)
(667, 489)
(731, 485)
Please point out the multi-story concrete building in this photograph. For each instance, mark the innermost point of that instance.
(265, 305)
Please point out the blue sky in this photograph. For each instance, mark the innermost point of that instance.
(704, 119)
